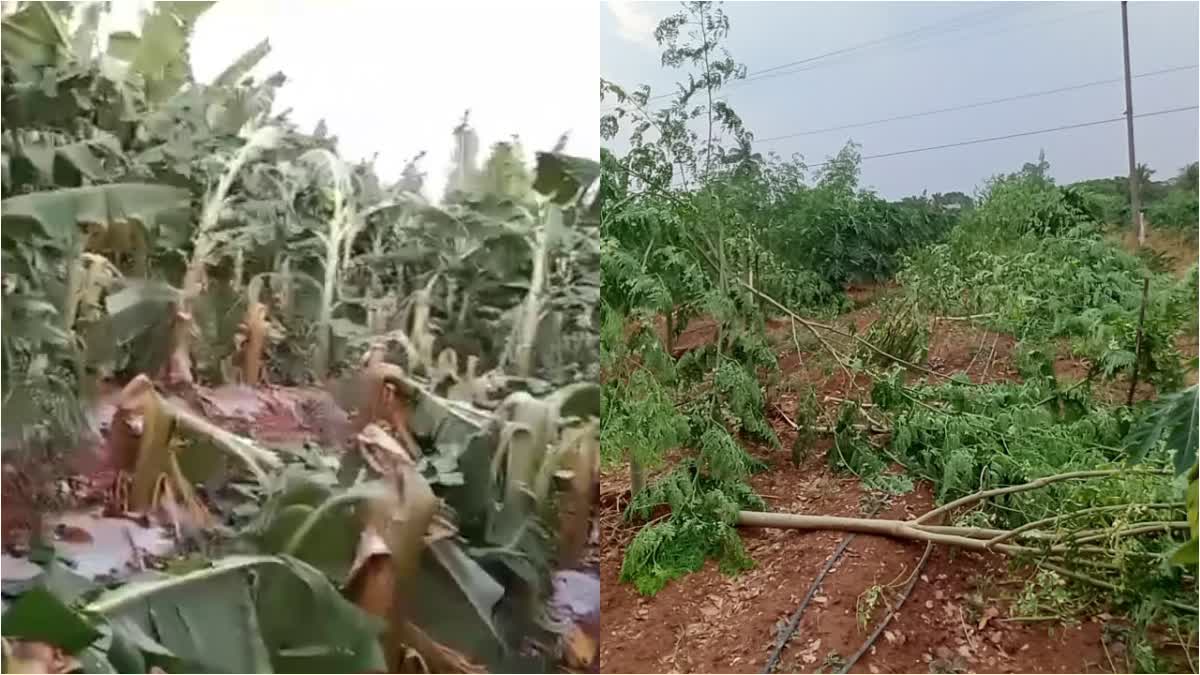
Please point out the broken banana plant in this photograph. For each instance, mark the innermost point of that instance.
(206, 252)
(502, 479)
(396, 531)
(152, 454)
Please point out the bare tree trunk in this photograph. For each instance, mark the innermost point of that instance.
(1137, 345)
(670, 341)
(637, 476)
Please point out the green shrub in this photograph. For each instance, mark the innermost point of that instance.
(1179, 210)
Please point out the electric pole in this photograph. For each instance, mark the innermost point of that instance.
(1135, 202)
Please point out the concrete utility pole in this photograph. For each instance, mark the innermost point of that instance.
(1135, 202)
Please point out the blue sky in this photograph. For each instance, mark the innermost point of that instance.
(976, 51)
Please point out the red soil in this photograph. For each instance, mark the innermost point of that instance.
(710, 622)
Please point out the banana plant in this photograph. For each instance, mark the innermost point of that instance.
(45, 237)
(347, 218)
(339, 191)
(154, 60)
(475, 579)
(206, 250)
(240, 614)
(562, 184)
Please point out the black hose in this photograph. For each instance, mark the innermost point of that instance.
(794, 621)
(891, 612)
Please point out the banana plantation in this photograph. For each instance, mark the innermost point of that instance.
(265, 411)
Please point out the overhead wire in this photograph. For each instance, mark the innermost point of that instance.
(963, 22)
(820, 60)
(1018, 134)
(816, 60)
(977, 104)
(985, 35)
(870, 43)
(921, 41)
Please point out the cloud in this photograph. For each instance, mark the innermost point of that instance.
(633, 24)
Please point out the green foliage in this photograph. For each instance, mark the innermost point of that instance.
(742, 402)
(902, 331)
(694, 218)
(128, 188)
(1179, 210)
(247, 604)
(843, 234)
(1170, 421)
(640, 418)
(699, 526)
(1039, 267)
(679, 240)
(1013, 206)
(1188, 552)
(1170, 424)
(965, 440)
(94, 154)
(1170, 204)
(890, 483)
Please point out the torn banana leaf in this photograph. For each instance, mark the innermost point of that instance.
(243, 614)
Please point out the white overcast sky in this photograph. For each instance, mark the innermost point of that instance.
(394, 77)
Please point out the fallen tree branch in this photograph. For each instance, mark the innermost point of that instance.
(965, 318)
(1079, 576)
(898, 529)
(1003, 536)
(1053, 547)
(1141, 528)
(825, 429)
(1032, 485)
(813, 325)
(838, 399)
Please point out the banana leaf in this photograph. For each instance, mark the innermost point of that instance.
(58, 214)
(564, 178)
(244, 614)
(35, 35)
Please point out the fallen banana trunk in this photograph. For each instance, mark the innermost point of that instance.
(151, 455)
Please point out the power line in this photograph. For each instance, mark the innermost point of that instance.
(819, 61)
(864, 45)
(968, 106)
(1019, 134)
(1047, 22)
(766, 73)
(1002, 29)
